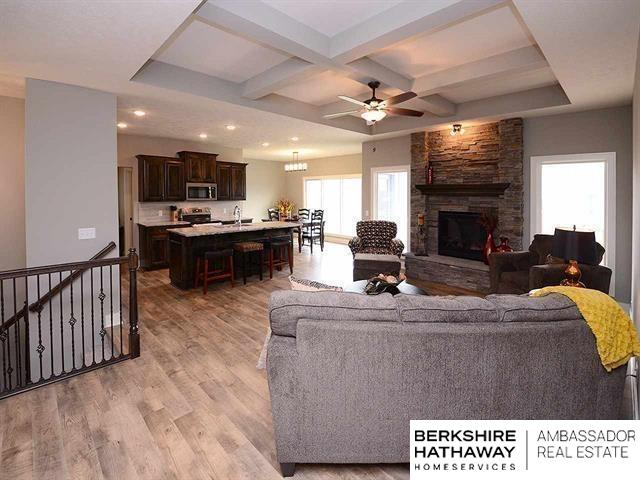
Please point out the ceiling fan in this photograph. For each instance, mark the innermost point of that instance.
(375, 109)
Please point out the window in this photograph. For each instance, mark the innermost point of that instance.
(568, 190)
(340, 197)
(390, 198)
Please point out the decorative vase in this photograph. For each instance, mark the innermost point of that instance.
(504, 245)
(489, 247)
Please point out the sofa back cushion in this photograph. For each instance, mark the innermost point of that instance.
(523, 308)
(287, 307)
(423, 309)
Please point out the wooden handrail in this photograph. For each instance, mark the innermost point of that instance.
(80, 268)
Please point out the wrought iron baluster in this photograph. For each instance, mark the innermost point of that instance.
(120, 297)
(111, 304)
(93, 327)
(16, 334)
(40, 347)
(101, 297)
(3, 338)
(72, 322)
(134, 336)
(61, 328)
(25, 317)
(51, 329)
(84, 355)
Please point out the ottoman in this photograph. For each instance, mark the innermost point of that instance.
(367, 265)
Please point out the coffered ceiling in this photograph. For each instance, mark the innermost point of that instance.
(275, 67)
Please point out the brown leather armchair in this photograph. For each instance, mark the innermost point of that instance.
(520, 272)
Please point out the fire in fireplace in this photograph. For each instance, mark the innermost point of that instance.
(460, 235)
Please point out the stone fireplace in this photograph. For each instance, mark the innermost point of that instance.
(478, 172)
(460, 235)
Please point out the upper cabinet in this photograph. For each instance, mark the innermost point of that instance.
(160, 179)
(200, 167)
(232, 180)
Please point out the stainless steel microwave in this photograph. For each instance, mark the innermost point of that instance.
(202, 191)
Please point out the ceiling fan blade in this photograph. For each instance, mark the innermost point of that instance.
(340, 114)
(403, 97)
(403, 111)
(352, 100)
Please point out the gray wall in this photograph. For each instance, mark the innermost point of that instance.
(388, 153)
(604, 130)
(71, 175)
(70, 183)
(12, 239)
(635, 300)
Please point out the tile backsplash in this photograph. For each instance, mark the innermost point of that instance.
(160, 211)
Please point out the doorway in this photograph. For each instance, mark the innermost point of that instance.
(390, 198)
(125, 208)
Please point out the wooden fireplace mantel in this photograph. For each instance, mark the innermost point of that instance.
(464, 189)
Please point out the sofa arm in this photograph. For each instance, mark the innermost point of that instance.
(596, 277)
(355, 244)
(507, 262)
(397, 247)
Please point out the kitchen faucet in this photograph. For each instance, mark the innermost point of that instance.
(237, 213)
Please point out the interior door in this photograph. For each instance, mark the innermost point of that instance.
(390, 198)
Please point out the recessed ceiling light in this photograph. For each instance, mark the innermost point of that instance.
(294, 139)
(230, 127)
(139, 113)
(122, 125)
(203, 135)
(265, 144)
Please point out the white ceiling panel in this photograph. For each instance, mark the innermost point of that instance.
(491, 88)
(324, 88)
(331, 17)
(212, 51)
(492, 33)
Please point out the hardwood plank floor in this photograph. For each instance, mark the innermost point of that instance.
(193, 405)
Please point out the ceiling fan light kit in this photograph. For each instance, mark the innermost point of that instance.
(456, 129)
(374, 109)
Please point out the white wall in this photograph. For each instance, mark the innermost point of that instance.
(592, 131)
(382, 153)
(265, 179)
(70, 171)
(12, 238)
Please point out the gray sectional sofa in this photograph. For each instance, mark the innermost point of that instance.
(347, 371)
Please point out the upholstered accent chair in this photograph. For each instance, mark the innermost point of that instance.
(520, 272)
(376, 236)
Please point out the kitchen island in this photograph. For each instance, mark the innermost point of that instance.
(185, 244)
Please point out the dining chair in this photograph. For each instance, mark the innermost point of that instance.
(273, 214)
(313, 231)
(303, 216)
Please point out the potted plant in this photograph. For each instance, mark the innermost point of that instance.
(285, 207)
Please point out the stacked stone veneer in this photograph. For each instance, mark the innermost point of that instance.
(489, 153)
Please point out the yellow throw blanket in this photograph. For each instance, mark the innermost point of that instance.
(616, 336)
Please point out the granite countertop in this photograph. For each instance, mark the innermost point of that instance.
(225, 229)
(162, 223)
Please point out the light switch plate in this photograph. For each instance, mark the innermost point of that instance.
(86, 233)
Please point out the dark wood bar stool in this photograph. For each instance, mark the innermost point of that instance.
(245, 250)
(210, 274)
(283, 247)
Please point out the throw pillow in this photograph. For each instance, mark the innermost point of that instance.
(311, 286)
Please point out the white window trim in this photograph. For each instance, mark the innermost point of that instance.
(374, 190)
(323, 177)
(609, 159)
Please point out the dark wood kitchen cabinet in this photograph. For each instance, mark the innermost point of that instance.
(154, 247)
(200, 167)
(232, 180)
(160, 179)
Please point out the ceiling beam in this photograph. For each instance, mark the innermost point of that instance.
(285, 73)
(402, 22)
(510, 104)
(365, 70)
(439, 106)
(516, 61)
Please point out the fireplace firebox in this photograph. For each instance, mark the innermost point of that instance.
(461, 235)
